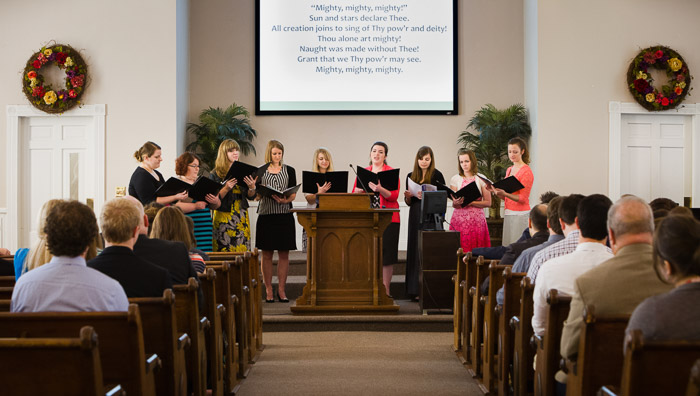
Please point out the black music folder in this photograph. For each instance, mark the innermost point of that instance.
(389, 179)
(267, 191)
(510, 184)
(172, 186)
(202, 187)
(239, 170)
(470, 192)
(338, 180)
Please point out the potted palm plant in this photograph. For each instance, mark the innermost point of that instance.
(217, 125)
(487, 134)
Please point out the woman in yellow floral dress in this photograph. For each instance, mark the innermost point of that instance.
(230, 221)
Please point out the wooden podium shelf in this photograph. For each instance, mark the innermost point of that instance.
(344, 257)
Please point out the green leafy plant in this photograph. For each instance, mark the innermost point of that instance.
(217, 125)
(488, 133)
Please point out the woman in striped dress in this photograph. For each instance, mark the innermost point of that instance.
(187, 169)
(275, 228)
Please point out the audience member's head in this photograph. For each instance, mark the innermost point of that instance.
(592, 216)
(662, 203)
(677, 248)
(660, 213)
(171, 224)
(553, 215)
(39, 253)
(547, 196)
(121, 221)
(630, 220)
(568, 208)
(681, 210)
(538, 217)
(151, 210)
(70, 229)
(145, 222)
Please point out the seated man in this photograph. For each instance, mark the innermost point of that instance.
(619, 284)
(66, 283)
(555, 235)
(121, 226)
(561, 272)
(567, 212)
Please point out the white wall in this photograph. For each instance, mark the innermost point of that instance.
(130, 49)
(584, 50)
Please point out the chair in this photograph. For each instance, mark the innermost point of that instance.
(523, 354)
(506, 336)
(122, 353)
(56, 366)
(189, 321)
(161, 336)
(548, 345)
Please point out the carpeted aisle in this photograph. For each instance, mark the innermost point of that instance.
(358, 363)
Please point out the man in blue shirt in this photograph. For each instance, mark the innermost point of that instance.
(66, 283)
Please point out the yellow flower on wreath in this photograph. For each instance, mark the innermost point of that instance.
(641, 75)
(48, 52)
(681, 84)
(69, 62)
(650, 97)
(675, 64)
(50, 97)
(33, 82)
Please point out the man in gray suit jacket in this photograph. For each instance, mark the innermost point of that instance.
(618, 285)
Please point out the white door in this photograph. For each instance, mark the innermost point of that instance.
(56, 160)
(656, 156)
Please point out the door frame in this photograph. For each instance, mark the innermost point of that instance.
(14, 112)
(618, 109)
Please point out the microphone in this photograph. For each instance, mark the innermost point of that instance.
(358, 179)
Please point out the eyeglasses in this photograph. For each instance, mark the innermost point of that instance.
(193, 166)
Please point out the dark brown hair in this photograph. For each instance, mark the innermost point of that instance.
(677, 240)
(472, 160)
(70, 228)
(386, 151)
(417, 174)
(520, 142)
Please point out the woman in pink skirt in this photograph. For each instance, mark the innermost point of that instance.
(469, 220)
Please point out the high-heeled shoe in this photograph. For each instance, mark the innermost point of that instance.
(271, 300)
(280, 299)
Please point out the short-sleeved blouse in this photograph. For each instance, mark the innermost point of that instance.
(525, 177)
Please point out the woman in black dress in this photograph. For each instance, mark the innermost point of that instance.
(275, 229)
(424, 172)
(146, 179)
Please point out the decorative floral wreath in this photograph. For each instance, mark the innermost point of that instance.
(45, 98)
(640, 82)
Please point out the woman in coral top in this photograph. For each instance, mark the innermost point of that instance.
(517, 203)
(387, 199)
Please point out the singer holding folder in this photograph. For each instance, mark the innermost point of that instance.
(231, 223)
(322, 163)
(424, 172)
(275, 229)
(386, 199)
(146, 179)
(469, 220)
(518, 203)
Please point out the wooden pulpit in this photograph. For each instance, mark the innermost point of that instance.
(344, 257)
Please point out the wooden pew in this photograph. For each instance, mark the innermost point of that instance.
(510, 308)
(5, 305)
(458, 308)
(6, 292)
(214, 334)
(225, 296)
(161, 336)
(548, 346)
(477, 327)
(189, 321)
(693, 388)
(490, 352)
(122, 354)
(468, 306)
(523, 354)
(7, 281)
(655, 367)
(56, 366)
(599, 359)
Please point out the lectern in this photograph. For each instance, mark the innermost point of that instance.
(344, 257)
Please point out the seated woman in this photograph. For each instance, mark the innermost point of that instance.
(674, 315)
(170, 224)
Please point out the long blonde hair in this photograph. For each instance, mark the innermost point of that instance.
(39, 253)
(324, 151)
(222, 163)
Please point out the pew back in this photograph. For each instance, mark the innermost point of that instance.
(523, 354)
(490, 352)
(214, 334)
(468, 305)
(548, 346)
(189, 321)
(457, 281)
(510, 308)
(477, 327)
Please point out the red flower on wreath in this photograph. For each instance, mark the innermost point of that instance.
(38, 91)
(31, 74)
(72, 93)
(664, 102)
(36, 64)
(77, 81)
(641, 85)
(649, 57)
(659, 54)
(61, 57)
